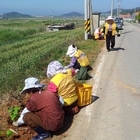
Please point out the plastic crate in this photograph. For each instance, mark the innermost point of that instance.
(84, 92)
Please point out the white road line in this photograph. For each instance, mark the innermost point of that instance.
(98, 74)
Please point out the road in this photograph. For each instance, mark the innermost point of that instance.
(115, 115)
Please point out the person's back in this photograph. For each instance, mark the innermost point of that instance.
(65, 87)
(43, 110)
(48, 107)
(62, 83)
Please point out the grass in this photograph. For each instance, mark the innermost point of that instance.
(27, 52)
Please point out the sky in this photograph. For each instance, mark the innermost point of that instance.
(58, 7)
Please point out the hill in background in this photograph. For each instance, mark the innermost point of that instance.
(71, 15)
(15, 15)
(68, 15)
(126, 11)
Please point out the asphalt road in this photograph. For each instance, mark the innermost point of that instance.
(115, 115)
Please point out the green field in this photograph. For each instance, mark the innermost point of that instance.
(26, 49)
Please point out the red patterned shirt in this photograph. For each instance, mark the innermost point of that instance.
(48, 107)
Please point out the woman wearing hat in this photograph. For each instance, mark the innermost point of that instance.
(78, 61)
(43, 111)
(109, 30)
(63, 84)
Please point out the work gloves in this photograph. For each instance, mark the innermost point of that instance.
(77, 70)
(61, 100)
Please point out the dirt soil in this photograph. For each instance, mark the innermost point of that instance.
(22, 132)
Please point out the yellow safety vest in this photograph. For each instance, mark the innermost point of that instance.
(66, 87)
(81, 58)
(113, 28)
(96, 36)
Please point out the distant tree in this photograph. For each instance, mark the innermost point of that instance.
(138, 17)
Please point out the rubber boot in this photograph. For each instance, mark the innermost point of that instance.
(42, 134)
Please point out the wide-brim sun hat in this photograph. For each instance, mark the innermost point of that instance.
(31, 83)
(109, 18)
(71, 50)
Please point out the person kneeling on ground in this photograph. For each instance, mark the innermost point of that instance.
(62, 83)
(79, 61)
(43, 111)
(98, 35)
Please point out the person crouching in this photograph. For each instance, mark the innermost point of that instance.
(43, 111)
(62, 83)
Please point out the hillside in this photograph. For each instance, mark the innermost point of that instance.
(126, 11)
(15, 15)
(71, 15)
(19, 15)
(68, 15)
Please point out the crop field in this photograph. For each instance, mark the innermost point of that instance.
(26, 49)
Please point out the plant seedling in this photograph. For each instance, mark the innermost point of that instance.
(14, 113)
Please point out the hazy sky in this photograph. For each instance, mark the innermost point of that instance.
(58, 7)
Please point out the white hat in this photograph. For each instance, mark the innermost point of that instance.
(32, 82)
(109, 18)
(71, 50)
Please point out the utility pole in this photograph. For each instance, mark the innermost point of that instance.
(112, 7)
(118, 8)
(91, 20)
(87, 18)
(135, 10)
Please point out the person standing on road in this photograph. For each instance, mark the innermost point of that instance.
(109, 30)
(43, 111)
